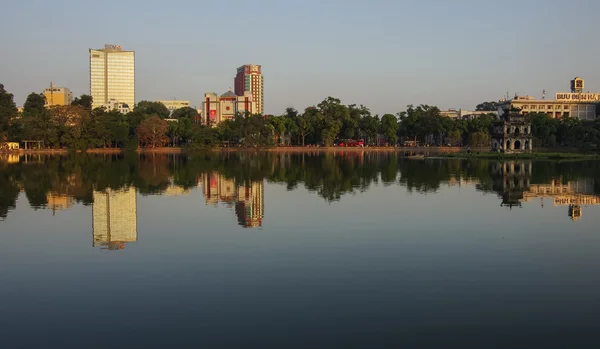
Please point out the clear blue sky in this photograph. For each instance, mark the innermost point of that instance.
(381, 53)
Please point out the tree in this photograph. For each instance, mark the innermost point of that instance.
(152, 132)
(204, 136)
(185, 112)
(152, 108)
(370, 125)
(279, 127)
(487, 106)
(306, 122)
(8, 111)
(64, 118)
(389, 128)
(35, 104)
(479, 139)
(84, 101)
(333, 113)
(454, 137)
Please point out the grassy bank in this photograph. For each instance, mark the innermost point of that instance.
(532, 156)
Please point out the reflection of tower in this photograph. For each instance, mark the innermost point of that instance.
(115, 218)
(574, 212)
(511, 179)
(250, 206)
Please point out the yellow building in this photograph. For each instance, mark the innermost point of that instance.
(574, 104)
(173, 105)
(112, 75)
(58, 96)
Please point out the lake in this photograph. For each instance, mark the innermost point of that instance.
(298, 250)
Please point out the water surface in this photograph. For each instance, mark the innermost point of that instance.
(344, 250)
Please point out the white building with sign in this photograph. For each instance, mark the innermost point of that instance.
(574, 104)
(112, 75)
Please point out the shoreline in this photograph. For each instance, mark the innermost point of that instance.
(427, 152)
(177, 150)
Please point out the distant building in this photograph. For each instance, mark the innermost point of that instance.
(113, 104)
(57, 96)
(465, 114)
(249, 78)
(173, 105)
(114, 218)
(574, 104)
(112, 75)
(216, 109)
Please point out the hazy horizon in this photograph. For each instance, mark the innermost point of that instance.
(380, 54)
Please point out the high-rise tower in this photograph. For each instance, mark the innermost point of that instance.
(249, 79)
(112, 76)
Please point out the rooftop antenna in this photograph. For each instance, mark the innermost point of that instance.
(543, 94)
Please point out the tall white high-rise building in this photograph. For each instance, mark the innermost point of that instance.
(112, 76)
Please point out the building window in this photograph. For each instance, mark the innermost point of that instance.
(566, 107)
(533, 107)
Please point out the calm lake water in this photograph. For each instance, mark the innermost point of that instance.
(345, 250)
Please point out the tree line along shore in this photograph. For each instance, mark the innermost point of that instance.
(151, 125)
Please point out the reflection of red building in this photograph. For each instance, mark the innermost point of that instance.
(247, 199)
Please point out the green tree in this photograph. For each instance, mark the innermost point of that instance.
(455, 137)
(333, 114)
(370, 125)
(487, 106)
(35, 104)
(204, 136)
(152, 108)
(479, 139)
(389, 128)
(305, 122)
(279, 126)
(8, 111)
(185, 112)
(84, 101)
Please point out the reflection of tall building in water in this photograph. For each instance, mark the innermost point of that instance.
(115, 218)
(248, 200)
(250, 206)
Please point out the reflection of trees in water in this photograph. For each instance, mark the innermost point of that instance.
(330, 175)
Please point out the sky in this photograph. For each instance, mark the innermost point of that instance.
(383, 54)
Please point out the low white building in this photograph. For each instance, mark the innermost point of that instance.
(113, 104)
(465, 114)
(174, 104)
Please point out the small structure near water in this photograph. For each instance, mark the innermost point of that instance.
(512, 134)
